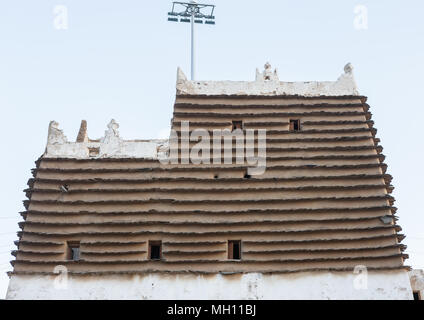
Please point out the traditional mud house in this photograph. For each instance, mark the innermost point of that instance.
(109, 218)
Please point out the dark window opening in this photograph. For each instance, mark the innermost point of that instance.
(155, 250)
(73, 253)
(417, 295)
(295, 125)
(247, 176)
(234, 249)
(215, 176)
(237, 125)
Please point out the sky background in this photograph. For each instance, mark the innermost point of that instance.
(118, 59)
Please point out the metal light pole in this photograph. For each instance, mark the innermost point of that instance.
(192, 47)
(194, 13)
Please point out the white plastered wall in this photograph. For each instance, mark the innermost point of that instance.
(318, 285)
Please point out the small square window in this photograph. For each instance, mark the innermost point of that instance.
(234, 249)
(294, 125)
(93, 152)
(155, 250)
(237, 124)
(417, 295)
(73, 253)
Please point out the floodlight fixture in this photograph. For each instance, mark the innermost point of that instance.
(192, 12)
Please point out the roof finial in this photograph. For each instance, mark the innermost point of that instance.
(82, 134)
(347, 80)
(113, 127)
(56, 135)
(267, 74)
(267, 66)
(348, 68)
(180, 75)
(112, 133)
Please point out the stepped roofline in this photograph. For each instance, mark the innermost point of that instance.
(267, 83)
(111, 145)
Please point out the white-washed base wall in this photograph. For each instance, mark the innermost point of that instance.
(317, 285)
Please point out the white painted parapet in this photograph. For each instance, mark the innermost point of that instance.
(267, 83)
(391, 285)
(111, 145)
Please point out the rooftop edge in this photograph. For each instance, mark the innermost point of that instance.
(267, 83)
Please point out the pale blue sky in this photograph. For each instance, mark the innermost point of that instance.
(118, 59)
